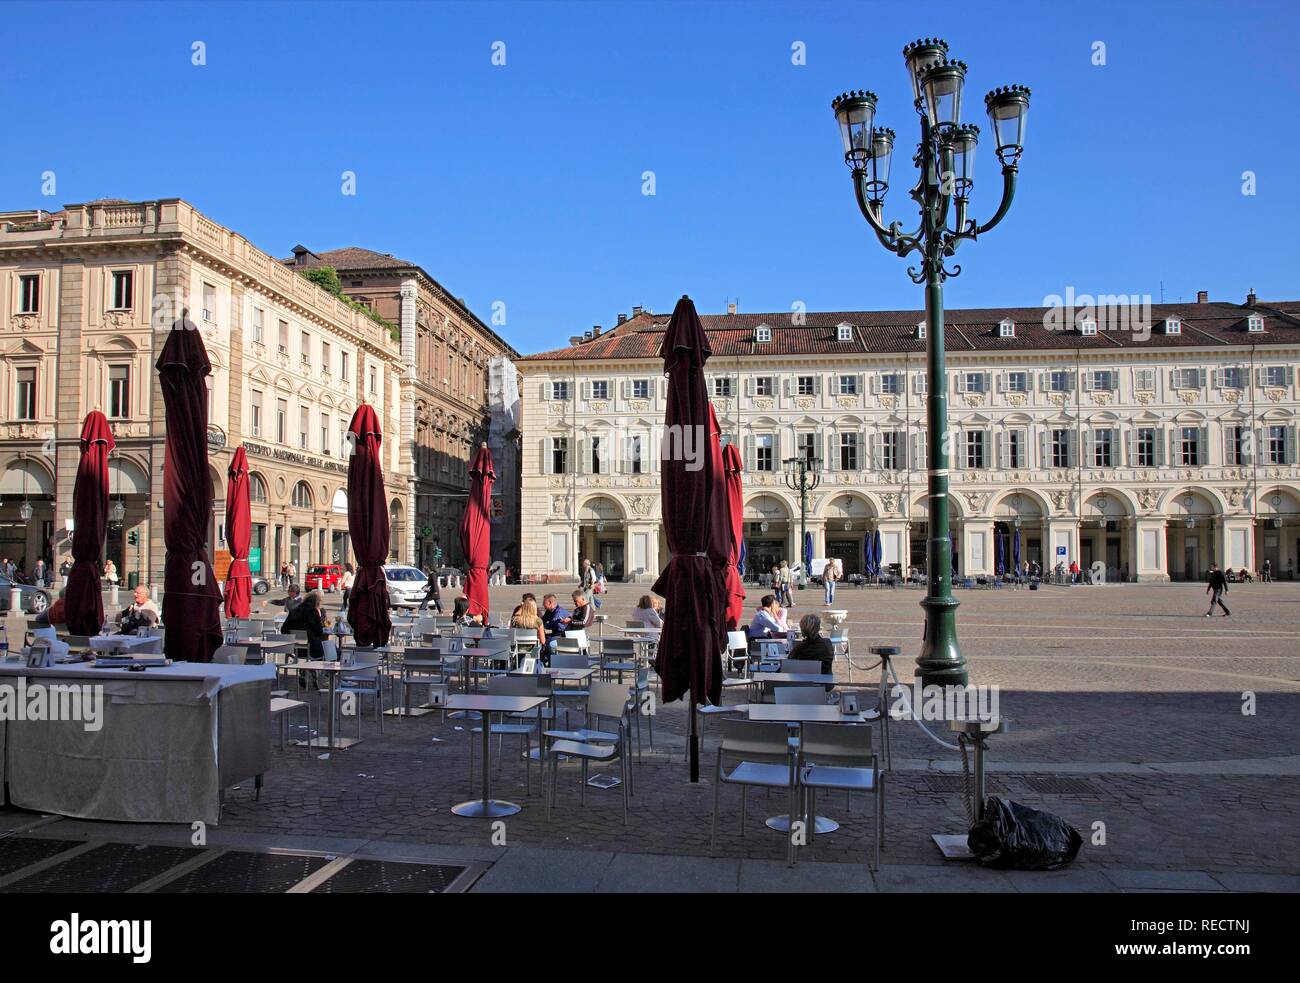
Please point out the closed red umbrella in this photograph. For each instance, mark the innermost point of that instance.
(84, 602)
(239, 533)
(694, 493)
(191, 608)
(476, 531)
(368, 526)
(731, 468)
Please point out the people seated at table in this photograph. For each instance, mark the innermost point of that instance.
(460, 613)
(56, 615)
(647, 612)
(308, 617)
(812, 644)
(292, 600)
(141, 613)
(554, 619)
(526, 617)
(528, 596)
(584, 613)
(769, 619)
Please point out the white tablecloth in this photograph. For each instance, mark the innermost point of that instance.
(172, 737)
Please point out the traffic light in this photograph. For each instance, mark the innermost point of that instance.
(132, 537)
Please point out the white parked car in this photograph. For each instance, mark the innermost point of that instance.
(406, 585)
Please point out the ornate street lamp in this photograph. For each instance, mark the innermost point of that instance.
(802, 474)
(25, 510)
(945, 158)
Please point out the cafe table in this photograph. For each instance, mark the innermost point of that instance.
(487, 807)
(797, 713)
(334, 670)
(107, 644)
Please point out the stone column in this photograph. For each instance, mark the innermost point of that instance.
(1237, 538)
(894, 546)
(1061, 532)
(1149, 559)
(977, 557)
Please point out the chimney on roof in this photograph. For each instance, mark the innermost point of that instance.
(596, 329)
(622, 318)
(575, 339)
(636, 311)
(300, 254)
(1202, 296)
(1250, 298)
(731, 308)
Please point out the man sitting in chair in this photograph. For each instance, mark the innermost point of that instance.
(768, 621)
(142, 613)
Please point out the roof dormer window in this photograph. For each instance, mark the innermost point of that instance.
(1087, 326)
(1006, 328)
(1173, 326)
(920, 329)
(1254, 324)
(844, 332)
(762, 334)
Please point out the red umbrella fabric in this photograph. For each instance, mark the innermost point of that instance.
(191, 608)
(731, 468)
(476, 530)
(239, 534)
(368, 526)
(695, 521)
(83, 601)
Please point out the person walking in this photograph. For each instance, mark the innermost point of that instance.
(787, 584)
(432, 593)
(1266, 574)
(588, 579)
(349, 578)
(1217, 587)
(41, 572)
(830, 574)
(110, 572)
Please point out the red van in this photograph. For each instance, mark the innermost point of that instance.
(324, 577)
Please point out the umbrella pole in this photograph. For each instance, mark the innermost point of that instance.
(695, 742)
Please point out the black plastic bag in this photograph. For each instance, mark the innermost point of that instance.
(1017, 837)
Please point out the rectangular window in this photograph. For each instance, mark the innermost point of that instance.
(559, 455)
(26, 387)
(281, 420)
(891, 450)
(283, 339)
(209, 302)
(1275, 375)
(597, 456)
(1230, 378)
(255, 413)
(848, 385)
(722, 387)
(29, 294)
(806, 386)
(1145, 450)
(640, 388)
(1103, 449)
(764, 386)
(560, 391)
(302, 426)
(325, 357)
(1187, 378)
(972, 382)
(807, 445)
(1189, 446)
(258, 318)
(763, 453)
(1099, 380)
(600, 389)
(1144, 380)
(374, 379)
(1275, 445)
(890, 383)
(1060, 448)
(975, 448)
(325, 434)
(634, 454)
(304, 348)
(119, 391)
(123, 290)
(848, 452)
(1058, 381)
(1234, 448)
(343, 366)
(1017, 382)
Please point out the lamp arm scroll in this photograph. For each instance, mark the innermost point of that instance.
(891, 237)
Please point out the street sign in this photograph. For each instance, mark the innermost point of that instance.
(1060, 551)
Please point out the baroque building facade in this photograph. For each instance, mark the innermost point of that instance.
(449, 402)
(88, 295)
(1153, 450)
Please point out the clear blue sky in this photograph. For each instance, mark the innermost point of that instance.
(522, 183)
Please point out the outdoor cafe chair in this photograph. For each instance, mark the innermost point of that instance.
(641, 707)
(523, 727)
(231, 655)
(364, 680)
(570, 694)
(617, 655)
(759, 754)
(608, 703)
(282, 706)
(839, 757)
(420, 665)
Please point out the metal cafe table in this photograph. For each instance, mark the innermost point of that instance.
(795, 713)
(487, 807)
(334, 670)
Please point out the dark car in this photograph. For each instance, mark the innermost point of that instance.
(261, 585)
(33, 599)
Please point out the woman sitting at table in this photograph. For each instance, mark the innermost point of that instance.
(813, 644)
(307, 617)
(526, 616)
(647, 612)
(769, 620)
(460, 613)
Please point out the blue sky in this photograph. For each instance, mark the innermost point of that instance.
(522, 183)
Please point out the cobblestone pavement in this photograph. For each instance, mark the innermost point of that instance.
(1126, 716)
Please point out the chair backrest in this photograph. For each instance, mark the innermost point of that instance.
(737, 640)
(800, 695)
(496, 644)
(578, 635)
(230, 655)
(513, 686)
(608, 699)
(618, 646)
(417, 653)
(801, 665)
(848, 745)
(757, 740)
(523, 635)
(633, 623)
(643, 678)
(329, 650)
(572, 660)
(569, 645)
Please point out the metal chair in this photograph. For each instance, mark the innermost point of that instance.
(365, 680)
(840, 757)
(608, 702)
(575, 694)
(510, 686)
(760, 755)
(231, 655)
(617, 655)
(283, 706)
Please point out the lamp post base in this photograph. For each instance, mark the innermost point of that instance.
(941, 662)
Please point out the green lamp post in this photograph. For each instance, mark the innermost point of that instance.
(802, 475)
(945, 158)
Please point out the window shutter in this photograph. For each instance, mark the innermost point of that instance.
(956, 383)
(1218, 378)
(785, 386)
(546, 391)
(1089, 447)
(1290, 448)
(832, 455)
(581, 464)
(1173, 446)
(747, 443)
(1128, 460)
(1203, 445)
(862, 382)
(749, 385)
(919, 383)
(546, 455)
(1002, 382)
(1290, 375)
(877, 451)
(862, 450)
(1002, 450)
(817, 384)
(1044, 457)
(919, 461)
